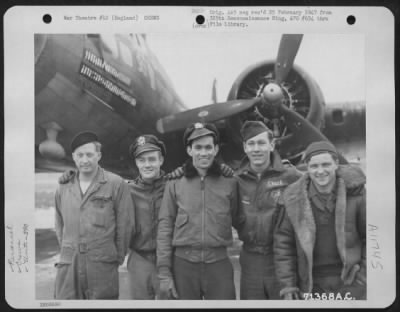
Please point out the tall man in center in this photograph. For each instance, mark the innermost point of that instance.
(262, 177)
(196, 216)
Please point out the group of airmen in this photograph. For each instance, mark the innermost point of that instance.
(303, 234)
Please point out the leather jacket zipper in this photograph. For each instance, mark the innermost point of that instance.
(203, 218)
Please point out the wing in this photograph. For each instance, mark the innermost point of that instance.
(345, 126)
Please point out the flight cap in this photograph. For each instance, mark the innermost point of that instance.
(198, 130)
(146, 143)
(252, 128)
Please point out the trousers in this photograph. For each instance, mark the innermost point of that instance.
(142, 272)
(86, 279)
(199, 280)
(257, 280)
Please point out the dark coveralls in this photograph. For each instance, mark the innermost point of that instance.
(258, 203)
(142, 270)
(93, 231)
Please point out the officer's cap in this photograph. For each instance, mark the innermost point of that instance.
(83, 138)
(320, 147)
(252, 128)
(198, 130)
(146, 143)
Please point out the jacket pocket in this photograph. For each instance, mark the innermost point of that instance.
(99, 219)
(102, 201)
(224, 226)
(181, 220)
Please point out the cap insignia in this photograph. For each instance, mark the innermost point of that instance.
(141, 141)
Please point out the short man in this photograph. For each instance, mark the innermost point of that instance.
(93, 227)
(147, 191)
(262, 177)
(195, 223)
(320, 237)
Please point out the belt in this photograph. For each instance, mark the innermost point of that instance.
(206, 254)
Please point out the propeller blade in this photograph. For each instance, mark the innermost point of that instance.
(288, 48)
(303, 134)
(209, 113)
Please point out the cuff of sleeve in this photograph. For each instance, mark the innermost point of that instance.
(288, 290)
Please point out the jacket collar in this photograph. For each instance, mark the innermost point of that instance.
(190, 171)
(275, 165)
(100, 176)
(141, 182)
(353, 176)
(99, 179)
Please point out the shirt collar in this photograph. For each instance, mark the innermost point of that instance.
(274, 166)
(154, 182)
(322, 201)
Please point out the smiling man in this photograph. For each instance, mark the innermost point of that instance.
(262, 178)
(195, 224)
(147, 190)
(93, 224)
(320, 235)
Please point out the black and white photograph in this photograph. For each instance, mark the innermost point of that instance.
(221, 166)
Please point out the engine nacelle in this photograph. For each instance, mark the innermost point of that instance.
(300, 93)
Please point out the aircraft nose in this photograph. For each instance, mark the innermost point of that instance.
(272, 92)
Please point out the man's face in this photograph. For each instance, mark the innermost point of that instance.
(258, 149)
(149, 164)
(86, 158)
(322, 169)
(203, 152)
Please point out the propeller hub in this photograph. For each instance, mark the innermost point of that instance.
(272, 93)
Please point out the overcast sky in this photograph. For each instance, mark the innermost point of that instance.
(192, 61)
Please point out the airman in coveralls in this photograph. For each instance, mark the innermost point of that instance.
(147, 191)
(93, 226)
(262, 178)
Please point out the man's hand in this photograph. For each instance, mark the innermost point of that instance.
(360, 279)
(175, 174)
(66, 176)
(351, 275)
(167, 285)
(226, 170)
